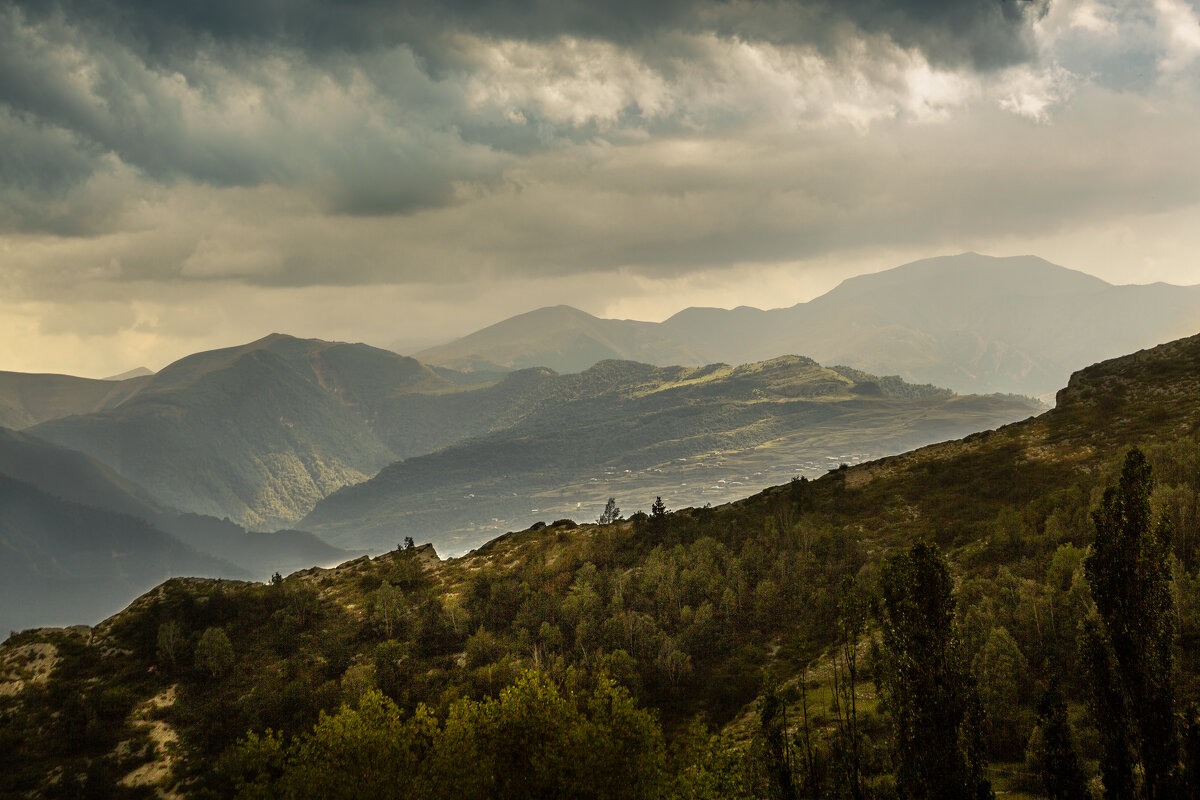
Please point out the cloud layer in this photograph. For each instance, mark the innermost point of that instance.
(268, 147)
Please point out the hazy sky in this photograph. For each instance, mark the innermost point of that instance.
(182, 175)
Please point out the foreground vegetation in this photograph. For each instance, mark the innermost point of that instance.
(763, 648)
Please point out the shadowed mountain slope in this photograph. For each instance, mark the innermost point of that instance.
(92, 488)
(63, 562)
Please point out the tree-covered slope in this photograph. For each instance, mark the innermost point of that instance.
(686, 610)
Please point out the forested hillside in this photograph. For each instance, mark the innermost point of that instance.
(760, 648)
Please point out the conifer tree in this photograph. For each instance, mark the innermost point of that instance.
(929, 691)
(658, 509)
(1055, 756)
(772, 721)
(1129, 646)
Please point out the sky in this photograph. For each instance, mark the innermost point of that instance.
(199, 173)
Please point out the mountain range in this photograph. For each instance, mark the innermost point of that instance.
(969, 322)
(362, 447)
(262, 432)
(211, 449)
(686, 611)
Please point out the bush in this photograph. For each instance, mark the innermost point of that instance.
(214, 652)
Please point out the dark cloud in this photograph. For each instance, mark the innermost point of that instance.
(986, 33)
(304, 143)
(362, 103)
(72, 93)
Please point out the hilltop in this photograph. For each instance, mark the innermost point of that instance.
(564, 339)
(257, 433)
(685, 609)
(29, 398)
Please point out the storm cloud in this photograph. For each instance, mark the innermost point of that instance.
(380, 107)
(988, 33)
(409, 147)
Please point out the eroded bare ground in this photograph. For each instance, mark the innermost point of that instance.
(158, 773)
(26, 665)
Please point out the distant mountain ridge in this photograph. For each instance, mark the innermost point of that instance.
(971, 322)
(29, 398)
(579, 340)
(136, 372)
(257, 432)
(262, 432)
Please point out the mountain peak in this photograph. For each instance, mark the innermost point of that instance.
(972, 272)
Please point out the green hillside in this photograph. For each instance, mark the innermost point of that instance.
(629, 430)
(741, 617)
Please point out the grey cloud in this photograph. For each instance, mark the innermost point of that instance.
(283, 156)
(986, 33)
(239, 120)
(156, 84)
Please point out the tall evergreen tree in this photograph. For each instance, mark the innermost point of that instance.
(1129, 646)
(1055, 756)
(930, 692)
(658, 509)
(772, 721)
